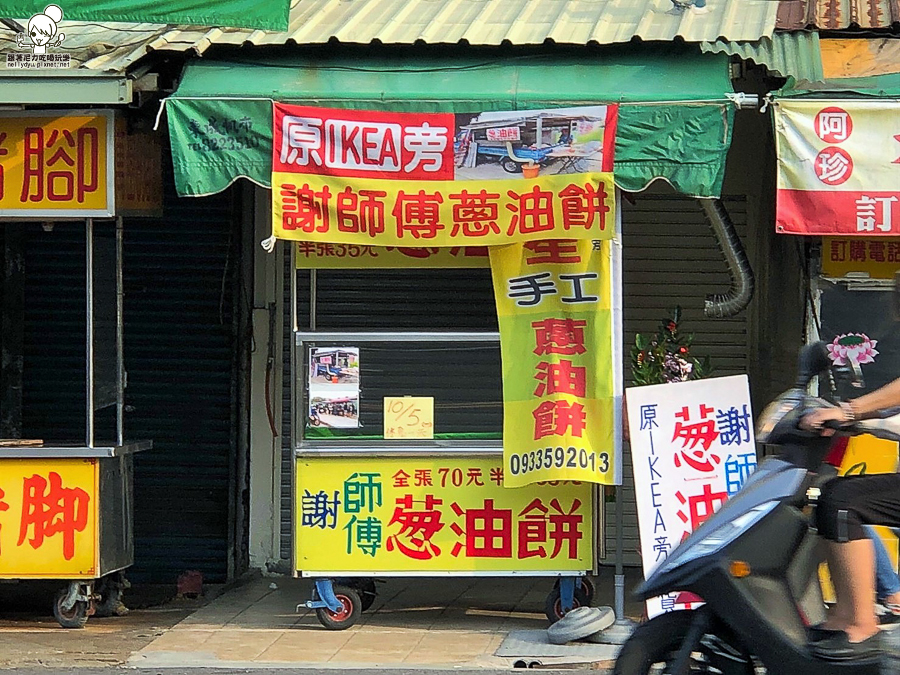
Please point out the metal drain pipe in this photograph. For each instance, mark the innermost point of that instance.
(721, 305)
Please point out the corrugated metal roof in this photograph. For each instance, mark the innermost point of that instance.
(837, 14)
(114, 47)
(493, 22)
(105, 47)
(788, 54)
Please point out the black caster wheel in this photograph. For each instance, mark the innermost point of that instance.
(351, 608)
(74, 617)
(367, 592)
(553, 604)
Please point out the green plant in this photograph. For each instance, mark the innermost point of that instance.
(666, 356)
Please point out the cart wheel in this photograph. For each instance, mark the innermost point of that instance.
(75, 617)
(510, 165)
(348, 614)
(367, 592)
(110, 599)
(553, 605)
(587, 587)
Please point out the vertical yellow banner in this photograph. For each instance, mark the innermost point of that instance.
(557, 340)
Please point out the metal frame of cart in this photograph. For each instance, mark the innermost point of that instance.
(97, 588)
(339, 594)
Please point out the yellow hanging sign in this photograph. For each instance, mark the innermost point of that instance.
(409, 417)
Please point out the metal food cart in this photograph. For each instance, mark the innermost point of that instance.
(66, 510)
(369, 503)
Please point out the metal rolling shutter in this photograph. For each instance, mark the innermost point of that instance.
(180, 356)
(671, 257)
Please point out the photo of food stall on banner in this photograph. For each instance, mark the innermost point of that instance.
(410, 496)
(838, 147)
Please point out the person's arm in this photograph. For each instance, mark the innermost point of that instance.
(887, 396)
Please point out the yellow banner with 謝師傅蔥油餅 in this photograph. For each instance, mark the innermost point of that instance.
(558, 342)
(435, 515)
(436, 213)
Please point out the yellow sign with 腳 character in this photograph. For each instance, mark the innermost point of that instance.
(435, 515)
(558, 343)
(48, 518)
(57, 165)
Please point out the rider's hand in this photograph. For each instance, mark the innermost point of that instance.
(816, 420)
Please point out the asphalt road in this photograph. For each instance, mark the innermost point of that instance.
(259, 671)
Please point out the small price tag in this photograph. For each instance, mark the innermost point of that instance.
(408, 417)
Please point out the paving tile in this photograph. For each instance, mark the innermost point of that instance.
(240, 645)
(378, 648)
(179, 641)
(298, 646)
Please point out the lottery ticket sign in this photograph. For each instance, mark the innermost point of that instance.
(556, 308)
(48, 518)
(57, 165)
(692, 447)
(838, 167)
(427, 515)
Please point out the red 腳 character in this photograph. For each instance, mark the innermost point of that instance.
(73, 165)
(554, 418)
(475, 214)
(49, 509)
(583, 206)
(497, 475)
(559, 336)
(419, 214)
(401, 479)
(422, 477)
(3, 505)
(473, 477)
(417, 252)
(488, 531)
(533, 530)
(417, 527)
(561, 251)
(562, 377)
(703, 432)
(361, 212)
(532, 212)
(700, 507)
(304, 209)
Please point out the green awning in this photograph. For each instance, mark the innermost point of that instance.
(261, 14)
(675, 122)
(879, 86)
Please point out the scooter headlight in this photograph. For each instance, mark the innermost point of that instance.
(719, 538)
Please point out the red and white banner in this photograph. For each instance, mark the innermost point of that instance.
(838, 167)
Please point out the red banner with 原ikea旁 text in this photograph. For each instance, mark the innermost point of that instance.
(438, 179)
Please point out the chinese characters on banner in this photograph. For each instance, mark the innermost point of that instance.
(692, 447)
(57, 165)
(312, 256)
(412, 180)
(876, 256)
(558, 339)
(838, 167)
(435, 515)
(48, 518)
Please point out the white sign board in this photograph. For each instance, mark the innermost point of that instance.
(503, 134)
(692, 447)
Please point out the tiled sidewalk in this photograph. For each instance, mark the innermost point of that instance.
(449, 622)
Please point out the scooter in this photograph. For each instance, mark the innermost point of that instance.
(755, 563)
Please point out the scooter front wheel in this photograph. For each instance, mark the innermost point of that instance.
(652, 647)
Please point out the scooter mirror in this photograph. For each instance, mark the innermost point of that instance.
(813, 360)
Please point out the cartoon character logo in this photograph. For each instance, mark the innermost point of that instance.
(42, 29)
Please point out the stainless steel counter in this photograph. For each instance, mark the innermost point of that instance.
(73, 451)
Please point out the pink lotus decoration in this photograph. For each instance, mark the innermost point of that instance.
(852, 347)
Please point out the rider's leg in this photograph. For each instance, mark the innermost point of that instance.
(887, 583)
(845, 504)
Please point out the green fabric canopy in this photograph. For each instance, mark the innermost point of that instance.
(262, 14)
(675, 122)
(880, 86)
